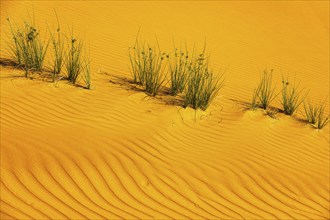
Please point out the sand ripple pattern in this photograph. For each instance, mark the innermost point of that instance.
(109, 153)
(114, 153)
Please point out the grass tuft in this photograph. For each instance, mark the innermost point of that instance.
(202, 85)
(291, 99)
(147, 67)
(311, 112)
(322, 120)
(87, 71)
(178, 64)
(254, 103)
(74, 64)
(28, 49)
(137, 62)
(264, 94)
(314, 114)
(58, 48)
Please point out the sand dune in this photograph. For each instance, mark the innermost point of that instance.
(112, 152)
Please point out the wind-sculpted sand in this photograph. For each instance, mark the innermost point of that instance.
(113, 152)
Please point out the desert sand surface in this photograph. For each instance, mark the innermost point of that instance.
(112, 152)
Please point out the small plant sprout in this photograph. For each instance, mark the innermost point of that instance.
(264, 94)
(202, 84)
(147, 66)
(58, 48)
(315, 115)
(74, 63)
(291, 99)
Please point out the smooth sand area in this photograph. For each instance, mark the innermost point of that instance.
(112, 152)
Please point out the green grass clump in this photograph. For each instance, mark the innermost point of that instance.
(202, 85)
(311, 112)
(18, 40)
(28, 49)
(264, 94)
(74, 63)
(87, 72)
(148, 67)
(58, 48)
(154, 75)
(178, 64)
(322, 120)
(137, 62)
(291, 99)
(254, 103)
(314, 114)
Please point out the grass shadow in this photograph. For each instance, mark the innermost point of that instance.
(45, 75)
(163, 94)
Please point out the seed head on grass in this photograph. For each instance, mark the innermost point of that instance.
(264, 94)
(202, 84)
(291, 98)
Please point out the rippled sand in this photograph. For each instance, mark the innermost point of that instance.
(110, 152)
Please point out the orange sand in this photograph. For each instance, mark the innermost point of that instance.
(110, 152)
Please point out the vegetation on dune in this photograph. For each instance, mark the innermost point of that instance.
(322, 120)
(74, 62)
(291, 97)
(202, 84)
(179, 63)
(28, 49)
(311, 112)
(148, 66)
(154, 71)
(314, 114)
(264, 94)
(87, 70)
(58, 48)
(137, 62)
(189, 73)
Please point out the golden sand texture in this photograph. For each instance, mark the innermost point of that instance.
(111, 152)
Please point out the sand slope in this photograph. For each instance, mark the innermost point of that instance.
(111, 152)
(108, 153)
